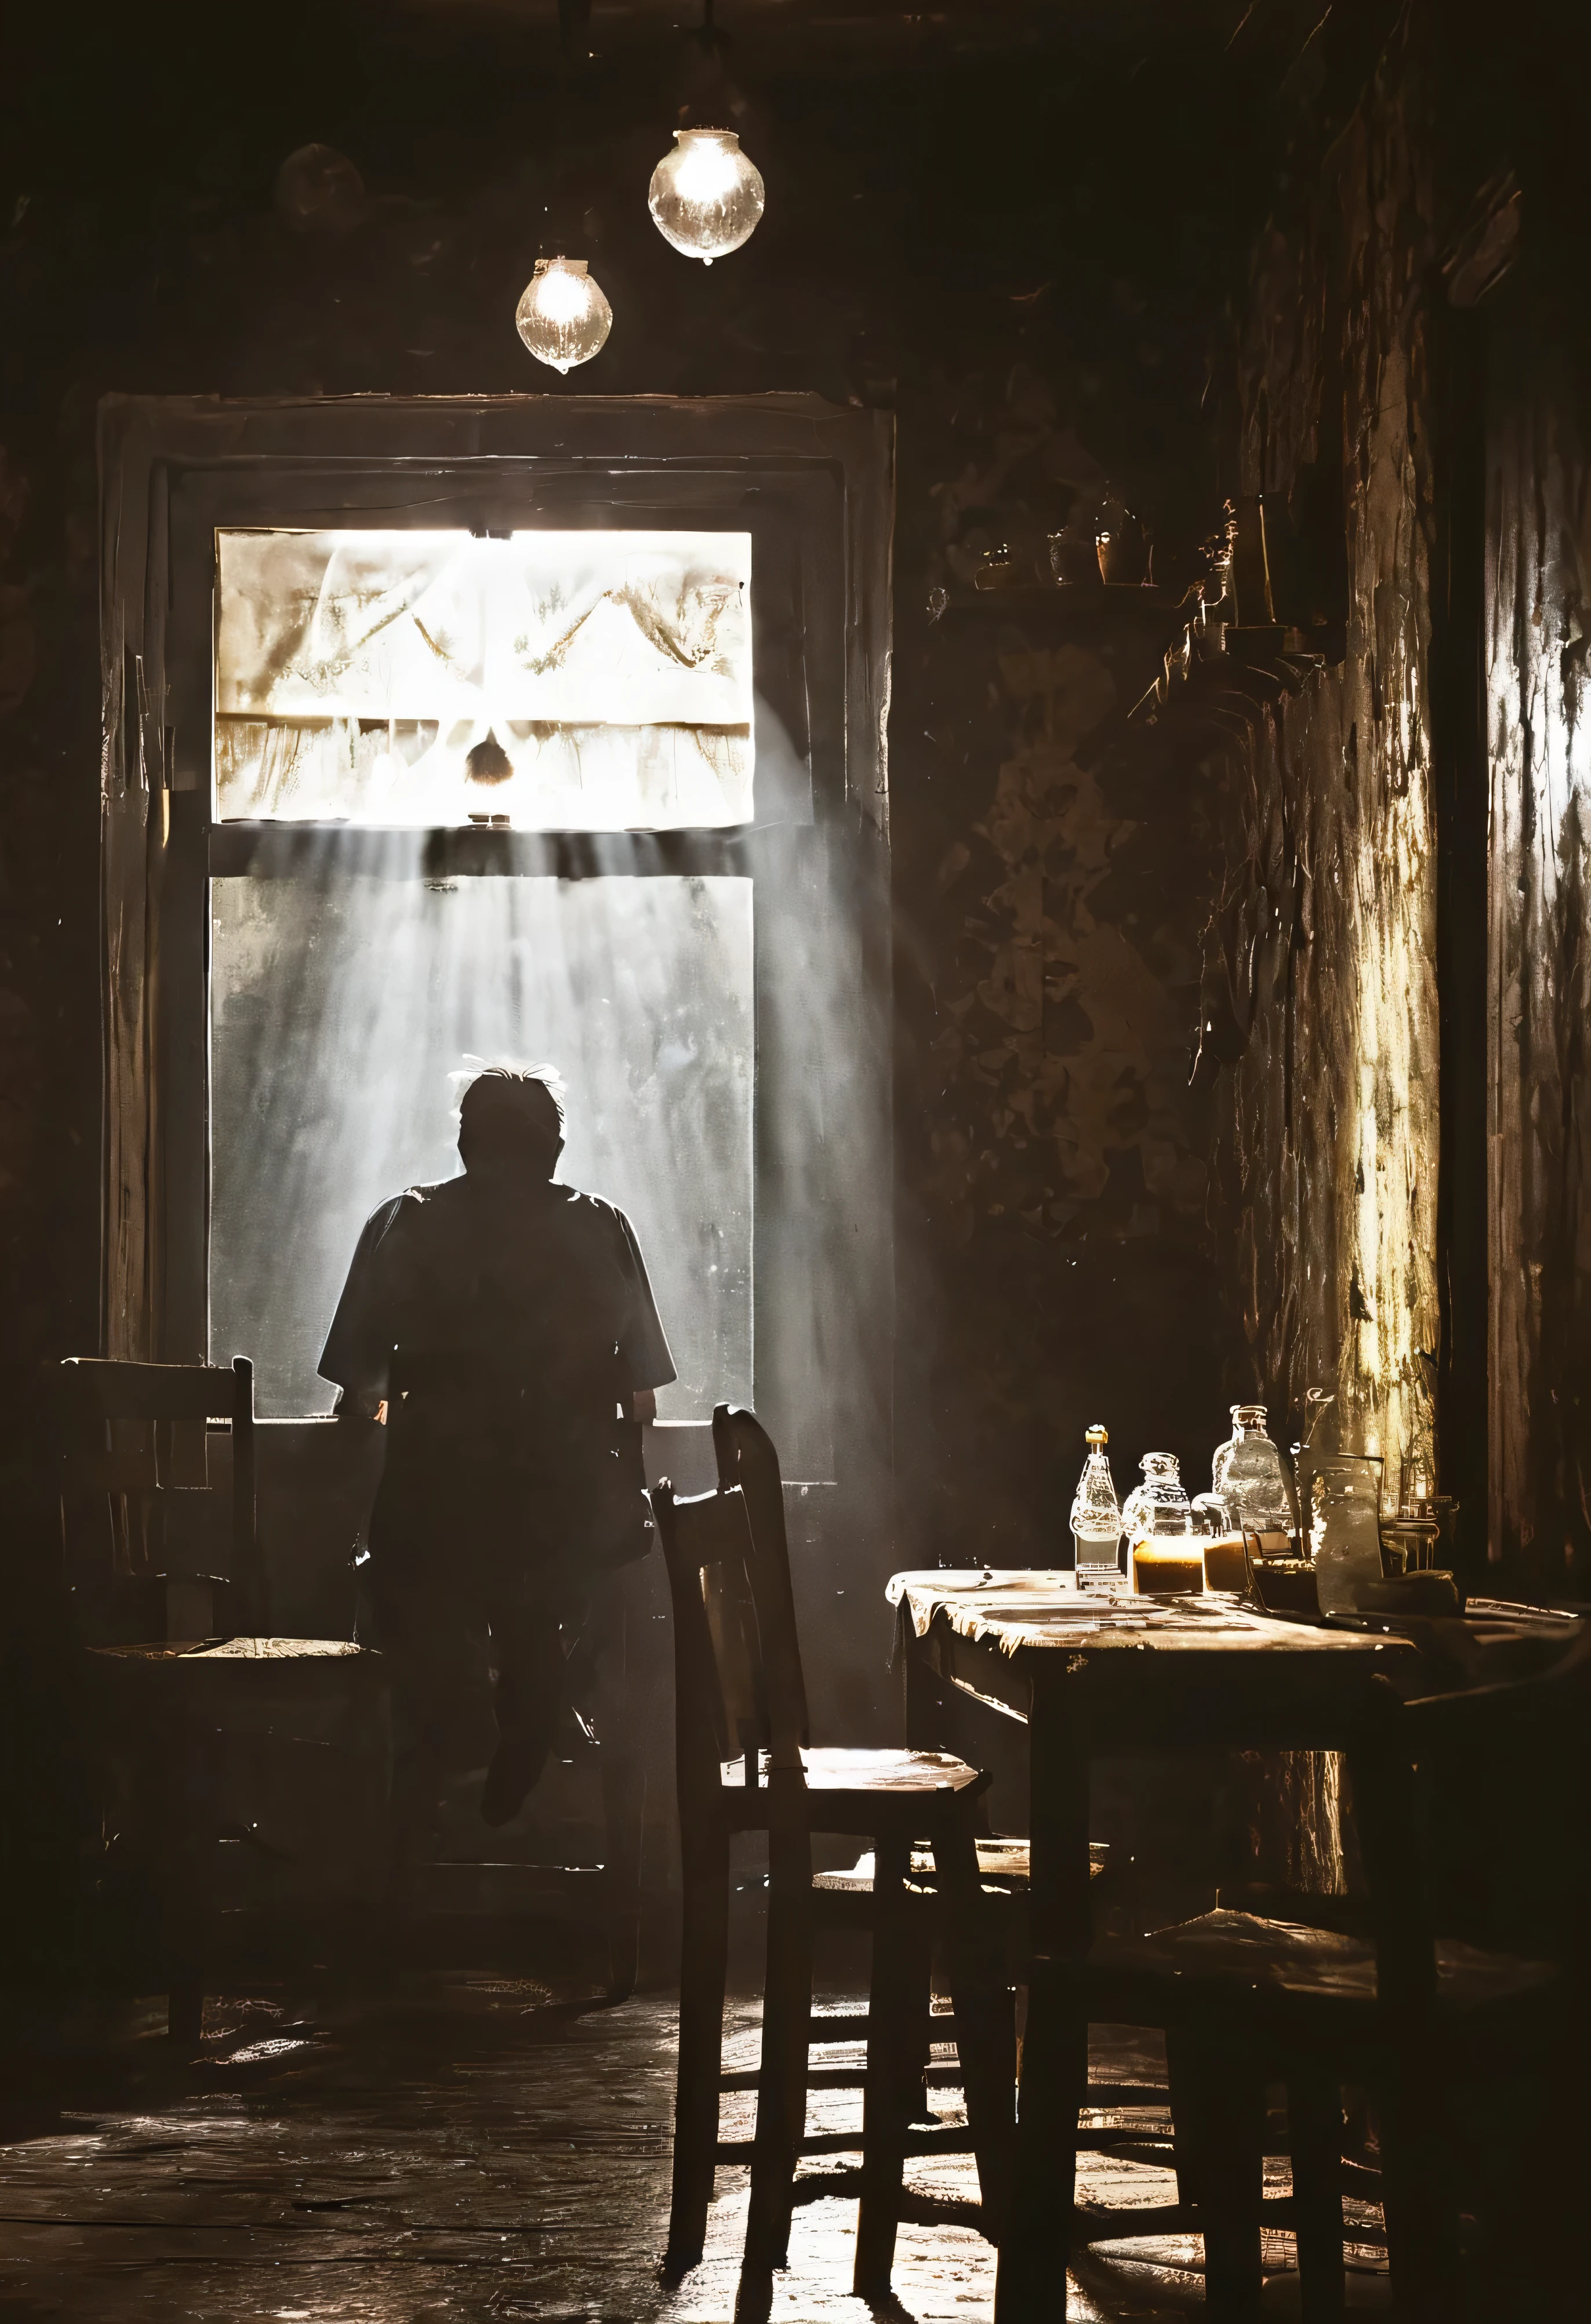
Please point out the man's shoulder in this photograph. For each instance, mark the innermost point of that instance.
(582, 1202)
(407, 1205)
(585, 1210)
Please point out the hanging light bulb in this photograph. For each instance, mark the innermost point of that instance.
(705, 197)
(563, 316)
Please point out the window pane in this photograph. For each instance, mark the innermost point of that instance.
(340, 1012)
(585, 680)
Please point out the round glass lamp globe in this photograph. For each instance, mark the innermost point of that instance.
(563, 316)
(705, 197)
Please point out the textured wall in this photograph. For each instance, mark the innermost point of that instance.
(1538, 622)
(1056, 1266)
(1405, 325)
(1320, 985)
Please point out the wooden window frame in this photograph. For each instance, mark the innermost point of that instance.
(249, 455)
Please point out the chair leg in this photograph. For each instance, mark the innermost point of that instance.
(1218, 2083)
(189, 1945)
(703, 1960)
(625, 1805)
(786, 2021)
(1185, 2093)
(185, 2014)
(1417, 2192)
(189, 1816)
(1042, 2232)
(1314, 2116)
(898, 2000)
(986, 2026)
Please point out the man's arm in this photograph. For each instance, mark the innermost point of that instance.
(358, 1351)
(642, 1344)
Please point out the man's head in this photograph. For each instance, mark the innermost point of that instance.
(511, 1123)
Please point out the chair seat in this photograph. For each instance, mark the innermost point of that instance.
(1291, 1962)
(175, 1678)
(1002, 1867)
(911, 1774)
(236, 1649)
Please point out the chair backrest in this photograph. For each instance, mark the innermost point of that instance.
(1504, 1804)
(1472, 1810)
(135, 1442)
(721, 1707)
(721, 1697)
(1386, 1823)
(747, 1458)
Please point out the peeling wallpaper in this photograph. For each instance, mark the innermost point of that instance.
(1071, 1044)
(1056, 1265)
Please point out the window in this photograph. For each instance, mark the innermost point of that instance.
(546, 727)
(572, 680)
(342, 1011)
(548, 681)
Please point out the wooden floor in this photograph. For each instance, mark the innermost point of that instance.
(453, 2149)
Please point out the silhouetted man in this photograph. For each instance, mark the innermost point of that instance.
(505, 1324)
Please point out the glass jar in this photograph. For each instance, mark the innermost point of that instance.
(1159, 1506)
(1248, 1476)
(1074, 557)
(1211, 1514)
(1342, 1512)
(1122, 547)
(997, 569)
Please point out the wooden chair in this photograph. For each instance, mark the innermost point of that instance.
(143, 1510)
(241, 1778)
(744, 1763)
(1374, 1995)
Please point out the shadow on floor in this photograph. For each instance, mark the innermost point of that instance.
(460, 2150)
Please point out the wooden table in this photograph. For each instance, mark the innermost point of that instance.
(1090, 1676)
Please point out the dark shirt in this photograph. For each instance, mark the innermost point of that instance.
(507, 1324)
(532, 1272)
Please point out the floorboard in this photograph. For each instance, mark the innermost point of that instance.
(455, 2150)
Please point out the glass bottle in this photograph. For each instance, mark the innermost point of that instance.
(1096, 1518)
(1248, 1476)
(1160, 1503)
